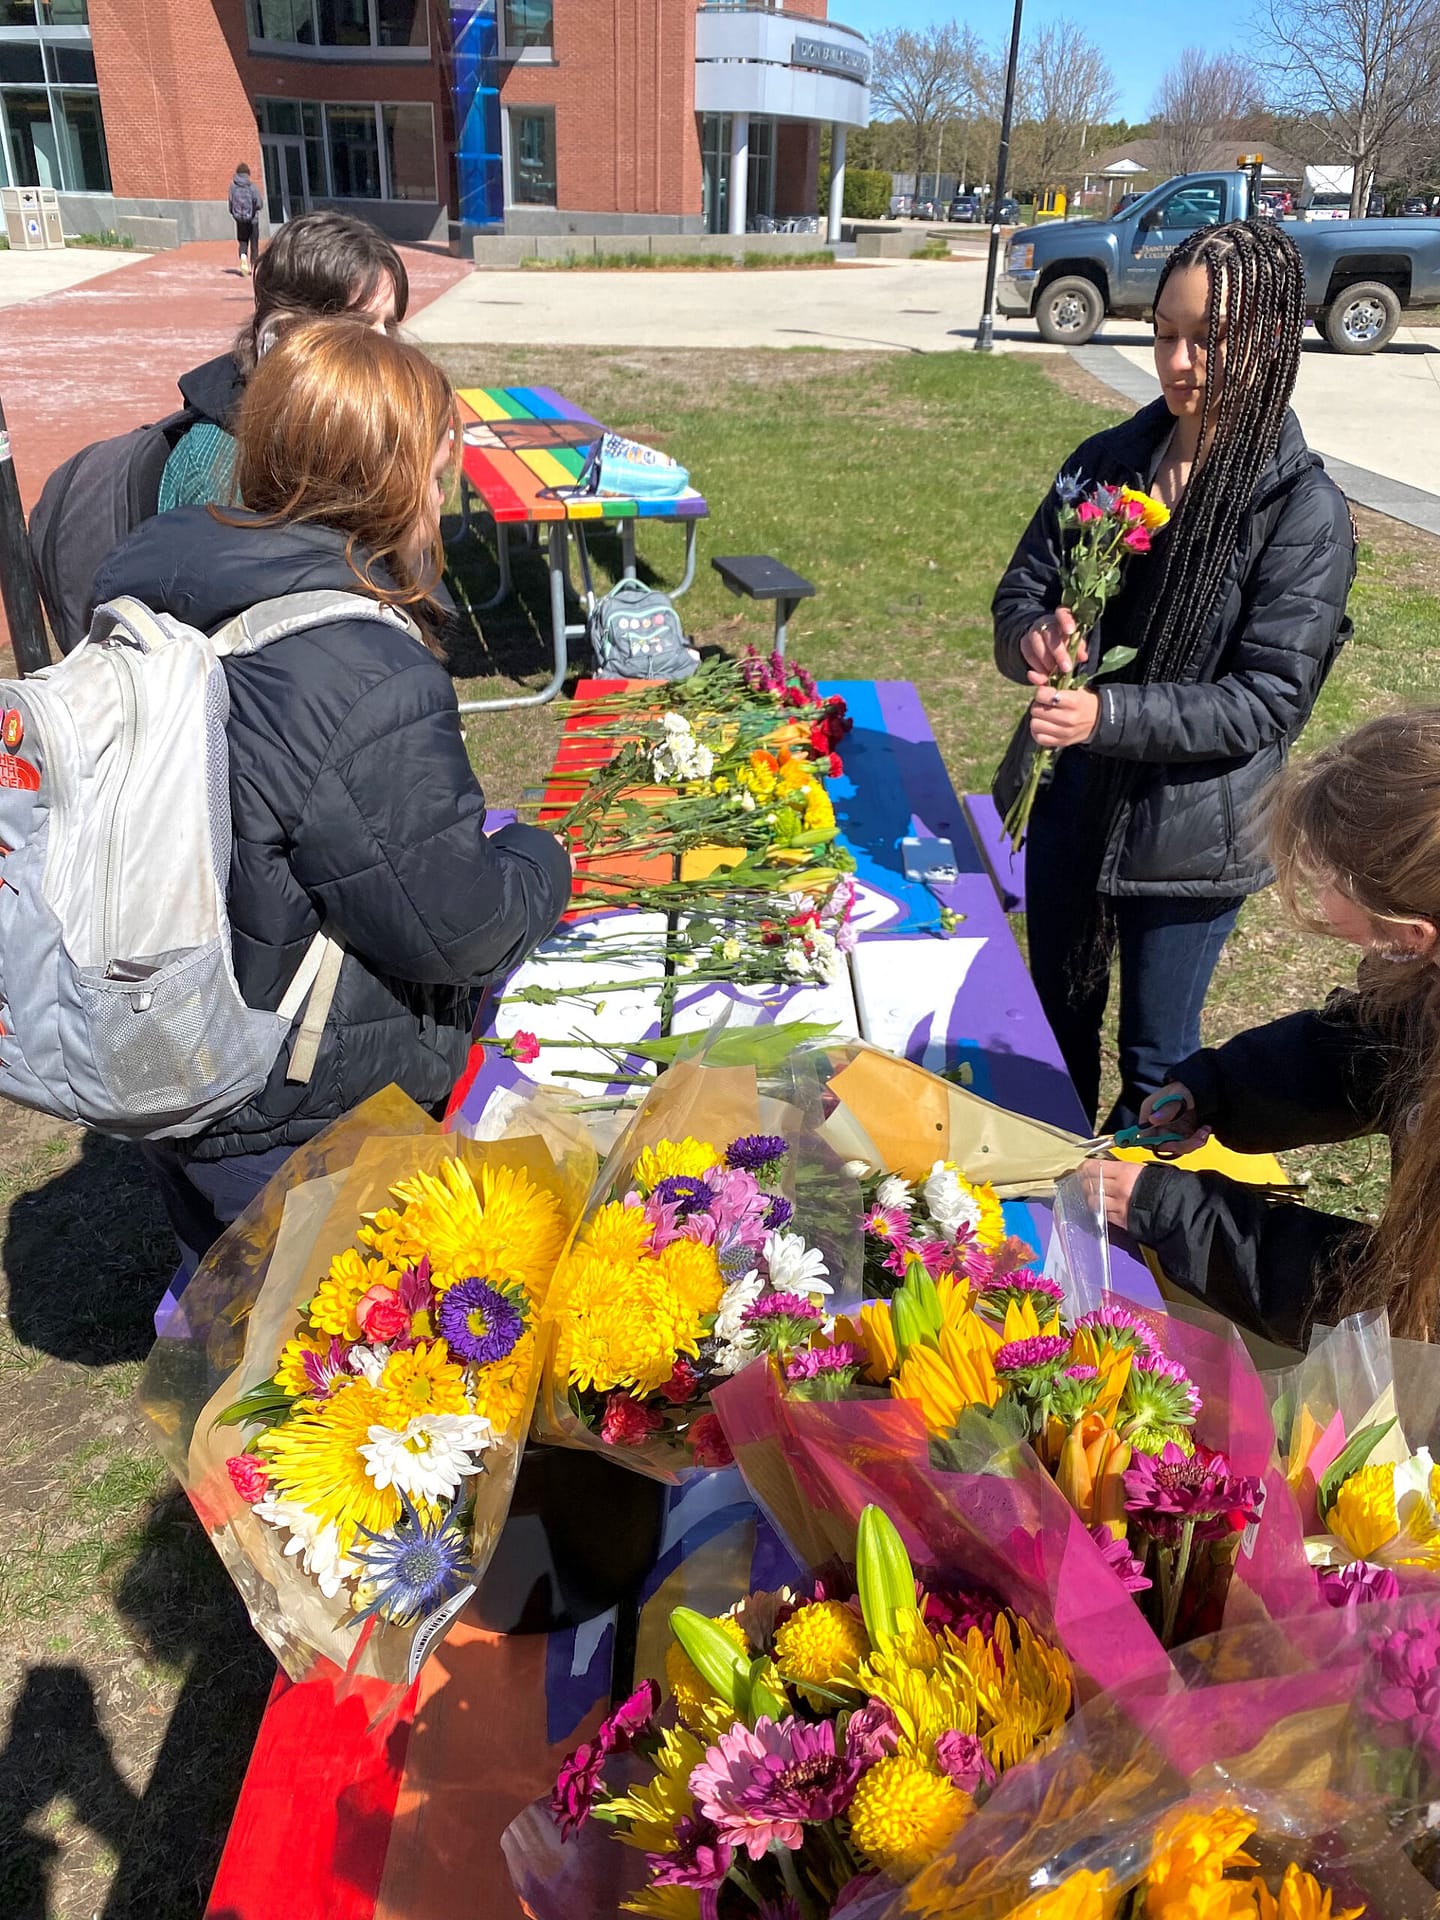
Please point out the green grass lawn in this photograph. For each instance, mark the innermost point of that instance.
(899, 486)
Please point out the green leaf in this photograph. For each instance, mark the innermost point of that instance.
(1351, 1457)
(1115, 658)
(738, 1046)
(266, 1405)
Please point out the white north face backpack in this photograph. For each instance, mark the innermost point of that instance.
(119, 1006)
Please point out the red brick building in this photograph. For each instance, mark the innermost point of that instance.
(529, 116)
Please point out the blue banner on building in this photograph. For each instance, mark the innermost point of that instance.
(479, 166)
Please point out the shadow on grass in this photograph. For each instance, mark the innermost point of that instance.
(183, 1612)
(87, 1255)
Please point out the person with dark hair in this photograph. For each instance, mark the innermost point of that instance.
(1146, 839)
(317, 265)
(245, 204)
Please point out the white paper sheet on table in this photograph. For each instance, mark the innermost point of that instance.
(905, 994)
(574, 956)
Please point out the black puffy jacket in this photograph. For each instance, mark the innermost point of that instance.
(1210, 744)
(354, 804)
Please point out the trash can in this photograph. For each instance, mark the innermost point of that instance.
(32, 218)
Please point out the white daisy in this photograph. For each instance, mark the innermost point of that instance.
(794, 1267)
(431, 1457)
(894, 1192)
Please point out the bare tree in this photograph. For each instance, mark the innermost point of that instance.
(925, 79)
(1066, 88)
(1356, 73)
(1201, 100)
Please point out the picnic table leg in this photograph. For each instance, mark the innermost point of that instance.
(502, 557)
(688, 578)
(627, 548)
(559, 561)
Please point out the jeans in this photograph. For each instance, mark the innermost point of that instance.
(1168, 948)
(202, 1197)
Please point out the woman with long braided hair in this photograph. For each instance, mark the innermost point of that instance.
(1146, 839)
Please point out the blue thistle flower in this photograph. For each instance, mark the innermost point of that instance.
(1068, 488)
(415, 1568)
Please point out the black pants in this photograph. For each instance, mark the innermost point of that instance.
(202, 1197)
(247, 238)
(1168, 947)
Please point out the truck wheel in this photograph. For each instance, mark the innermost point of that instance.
(1069, 311)
(1362, 318)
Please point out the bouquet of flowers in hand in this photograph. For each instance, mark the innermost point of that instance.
(355, 1458)
(818, 1747)
(1100, 529)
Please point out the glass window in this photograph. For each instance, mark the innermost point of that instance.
(532, 156)
(87, 169)
(68, 13)
(291, 21)
(410, 152)
(18, 13)
(528, 23)
(71, 66)
(281, 116)
(354, 152)
(1202, 205)
(34, 151)
(344, 23)
(314, 132)
(20, 62)
(402, 23)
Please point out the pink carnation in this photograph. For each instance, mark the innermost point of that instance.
(708, 1443)
(248, 1477)
(627, 1421)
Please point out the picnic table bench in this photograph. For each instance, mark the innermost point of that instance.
(523, 457)
(342, 1820)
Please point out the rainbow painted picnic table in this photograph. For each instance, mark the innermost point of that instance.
(523, 458)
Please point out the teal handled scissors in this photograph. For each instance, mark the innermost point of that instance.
(1143, 1136)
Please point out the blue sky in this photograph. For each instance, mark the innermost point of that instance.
(1139, 46)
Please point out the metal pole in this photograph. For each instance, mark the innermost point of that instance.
(17, 569)
(985, 335)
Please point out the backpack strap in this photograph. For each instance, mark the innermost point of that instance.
(291, 613)
(131, 617)
(312, 987)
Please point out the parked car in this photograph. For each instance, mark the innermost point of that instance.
(1358, 279)
(964, 207)
(901, 204)
(1414, 207)
(1277, 202)
(926, 210)
(1009, 212)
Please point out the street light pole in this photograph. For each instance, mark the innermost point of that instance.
(17, 569)
(985, 334)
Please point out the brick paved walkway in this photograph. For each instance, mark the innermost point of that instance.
(80, 365)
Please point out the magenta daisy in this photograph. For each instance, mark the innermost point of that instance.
(1167, 1492)
(701, 1858)
(890, 1224)
(322, 1370)
(995, 1294)
(1129, 1571)
(1158, 1393)
(824, 1373)
(1116, 1326)
(1027, 1356)
(762, 1787)
(1357, 1584)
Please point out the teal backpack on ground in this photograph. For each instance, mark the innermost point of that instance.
(635, 634)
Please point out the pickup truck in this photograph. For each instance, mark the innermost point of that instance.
(1359, 274)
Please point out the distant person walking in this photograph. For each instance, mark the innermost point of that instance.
(245, 212)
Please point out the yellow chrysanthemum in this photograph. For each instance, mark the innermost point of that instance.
(621, 1324)
(819, 814)
(686, 1686)
(822, 1645)
(502, 1391)
(503, 1224)
(693, 1270)
(421, 1380)
(315, 1460)
(1191, 1857)
(1301, 1897)
(1155, 512)
(290, 1368)
(351, 1275)
(903, 1813)
(655, 1808)
(670, 1157)
(1084, 1896)
(1024, 1687)
(664, 1903)
(618, 1231)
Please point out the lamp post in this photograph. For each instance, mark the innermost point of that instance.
(17, 569)
(985, 333)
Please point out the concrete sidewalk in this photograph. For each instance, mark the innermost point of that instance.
(29, 276)
(94, 359)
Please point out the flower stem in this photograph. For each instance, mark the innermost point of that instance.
(1176, 1585)
(795, 1886)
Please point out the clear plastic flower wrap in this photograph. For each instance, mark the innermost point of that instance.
(720, 1207)
(345, 1388)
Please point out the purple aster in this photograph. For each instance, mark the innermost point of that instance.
(1027, 1356)
(997, 1293)
(1129, 1571)
(762, 1787)
(872, 1733)
(322, 1370)
(1168, 1491)
(685, 1192)
(1356, 1584)
(781, 1306)
(780, 1215)
(701, 1858)
(479, 1322)
(1082, 1373)
(964, 1760)
(757, 1153)
(1158, 1393)
(815, 1362)
(1115, 1326)
(1405, 1703)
